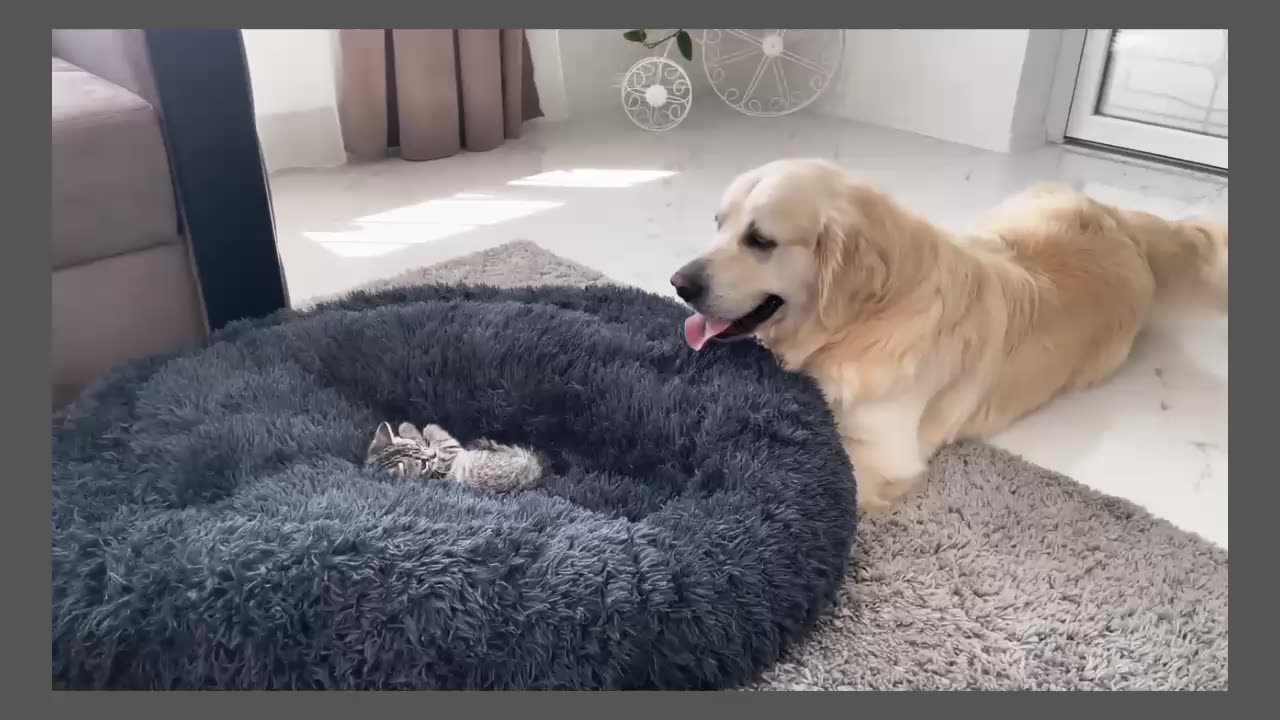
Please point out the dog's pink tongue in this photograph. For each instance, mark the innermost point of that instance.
(698, 329)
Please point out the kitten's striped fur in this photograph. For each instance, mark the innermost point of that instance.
(435, 454)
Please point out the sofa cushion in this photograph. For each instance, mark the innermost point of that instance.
(111, 187)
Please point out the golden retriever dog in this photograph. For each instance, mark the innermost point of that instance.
(918, 336)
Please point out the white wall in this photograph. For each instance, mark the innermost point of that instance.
(295, 97)
(986, 88)
(548, 73)
(593, 63)
(1031, 112)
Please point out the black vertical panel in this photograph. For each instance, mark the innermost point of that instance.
(203, 81)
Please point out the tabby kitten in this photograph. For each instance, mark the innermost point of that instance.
(435, 454)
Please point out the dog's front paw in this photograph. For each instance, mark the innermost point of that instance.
(868, 503)
(878, 493)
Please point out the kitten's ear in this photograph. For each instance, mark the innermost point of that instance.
(409, 432)
(436, 434)
(382, 438)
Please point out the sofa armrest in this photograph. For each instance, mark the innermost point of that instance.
(118, 56)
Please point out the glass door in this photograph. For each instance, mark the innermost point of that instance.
(1161, 92)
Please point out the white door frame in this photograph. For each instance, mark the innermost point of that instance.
(1064, 84)
(1072, 110)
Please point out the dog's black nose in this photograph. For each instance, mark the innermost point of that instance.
(689, 284)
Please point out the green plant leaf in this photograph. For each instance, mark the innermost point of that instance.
(635, 35)
(685, 43)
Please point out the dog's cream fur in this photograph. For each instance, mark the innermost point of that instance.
(918, 336)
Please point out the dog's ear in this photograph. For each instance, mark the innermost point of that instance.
(852, 269)
(831, 254)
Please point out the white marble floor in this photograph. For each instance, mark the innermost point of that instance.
(635, 205)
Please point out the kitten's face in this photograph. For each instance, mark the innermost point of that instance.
(407, 456)
(408, 466)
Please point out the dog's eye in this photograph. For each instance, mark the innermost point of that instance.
(754, 240)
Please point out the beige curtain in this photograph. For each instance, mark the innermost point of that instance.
(432, 93)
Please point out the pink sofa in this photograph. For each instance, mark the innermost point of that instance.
(124, 284)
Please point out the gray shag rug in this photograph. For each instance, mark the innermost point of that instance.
(998, 574)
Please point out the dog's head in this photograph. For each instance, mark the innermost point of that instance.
(794, 240)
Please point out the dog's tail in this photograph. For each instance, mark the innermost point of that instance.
(1187, 257)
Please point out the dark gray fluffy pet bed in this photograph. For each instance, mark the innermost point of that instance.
(212, 526)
